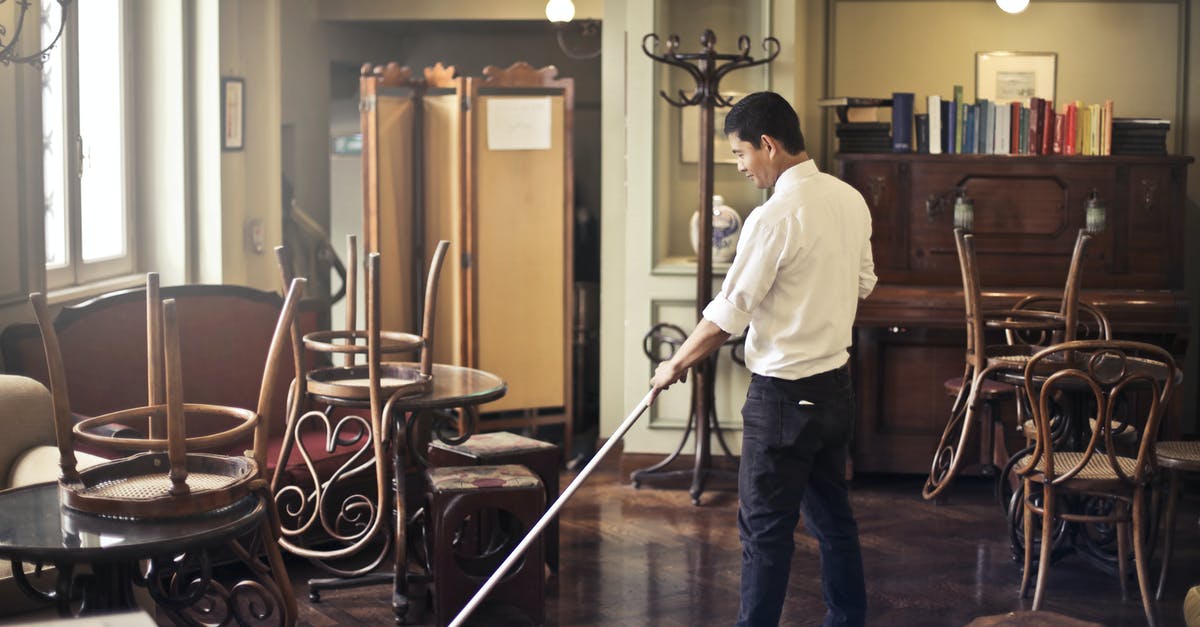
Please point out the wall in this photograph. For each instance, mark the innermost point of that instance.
(1133, 52)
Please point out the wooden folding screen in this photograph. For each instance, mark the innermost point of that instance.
(430, 168)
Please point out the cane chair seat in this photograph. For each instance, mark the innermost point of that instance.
(1178, 454)
(1098, 467)
(354, 382)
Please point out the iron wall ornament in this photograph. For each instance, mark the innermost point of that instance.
(707, 68)
(9, 53)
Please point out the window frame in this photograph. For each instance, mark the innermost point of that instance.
(76, 272)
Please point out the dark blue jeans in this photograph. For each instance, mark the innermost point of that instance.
(794, 443)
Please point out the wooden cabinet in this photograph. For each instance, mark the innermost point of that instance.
(909, 334)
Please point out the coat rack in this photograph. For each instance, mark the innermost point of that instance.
(707, 67)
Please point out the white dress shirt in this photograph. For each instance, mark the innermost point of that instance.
(803, 261)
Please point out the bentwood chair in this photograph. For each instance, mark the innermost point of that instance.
(175, 473)
(979, 388)
(328, 518)
(1175, 458)
(1123, 385)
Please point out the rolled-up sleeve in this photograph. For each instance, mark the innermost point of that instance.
(750, 276)
(726, 315)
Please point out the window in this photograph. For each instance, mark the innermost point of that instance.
(86, 147)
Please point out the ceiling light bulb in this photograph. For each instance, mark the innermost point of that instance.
(1008, 6)
(560, 10)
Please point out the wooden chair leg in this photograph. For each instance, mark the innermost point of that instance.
(1123, 558)
(1172, 503)
(1027, 525)
(1047, 544)
(269, 529)
(1139, 554)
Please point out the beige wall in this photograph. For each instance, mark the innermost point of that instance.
(1128, 52)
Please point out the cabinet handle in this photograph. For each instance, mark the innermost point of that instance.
(895, 330)
(876, 185)
(935, 206)
(1149, 187)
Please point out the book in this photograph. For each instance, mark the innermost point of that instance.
(949, 122)
(969, 114)
(855, 109)
(1014, 138)
(958, 122)
(1060, 126)
(1035, 115)
(1106, 128)
(921, 132)
(902, 122)
(1047, 130)
(934, 107)
(981, 126)
(1071, 129)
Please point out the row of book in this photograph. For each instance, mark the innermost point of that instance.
(986, 127)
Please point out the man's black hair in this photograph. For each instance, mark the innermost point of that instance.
(765, 113)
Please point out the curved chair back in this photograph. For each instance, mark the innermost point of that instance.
(1124, 385)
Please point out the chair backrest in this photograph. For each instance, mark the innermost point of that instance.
(1068, 306)
(104, 350)
(1125, 385)
(164, 408)
(972, 295)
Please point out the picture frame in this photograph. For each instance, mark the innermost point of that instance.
(233, 114)
(1004, 77)
(689, 133)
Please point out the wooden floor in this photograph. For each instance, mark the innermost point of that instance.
(649, 557)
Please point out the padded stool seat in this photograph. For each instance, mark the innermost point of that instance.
(989, 391)
(477, 516)
(502, 447)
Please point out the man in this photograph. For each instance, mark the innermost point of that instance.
(803, 262)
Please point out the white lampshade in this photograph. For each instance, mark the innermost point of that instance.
(560, 10)
(1008, 6)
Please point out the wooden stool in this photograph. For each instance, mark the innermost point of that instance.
(478, 515)
(493, 449)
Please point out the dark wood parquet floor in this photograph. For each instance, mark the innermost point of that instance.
(649, 557)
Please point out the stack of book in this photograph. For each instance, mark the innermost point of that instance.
(864, 137)
(1140, 136)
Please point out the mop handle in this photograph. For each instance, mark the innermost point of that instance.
(550, 513)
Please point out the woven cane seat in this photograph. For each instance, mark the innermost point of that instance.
(1098, 467)
(139, 486)
(1178, 454)
(354, 382)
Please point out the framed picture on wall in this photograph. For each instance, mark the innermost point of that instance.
(689, 133)
(1004, 77)
(233, 113)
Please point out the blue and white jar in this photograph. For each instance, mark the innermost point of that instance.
(727, 225)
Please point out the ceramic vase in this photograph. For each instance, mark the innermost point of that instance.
(727, 225)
